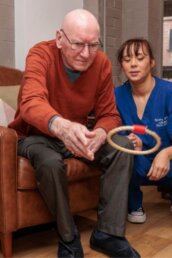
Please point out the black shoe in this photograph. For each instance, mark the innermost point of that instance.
(112, 246)
(71, 249)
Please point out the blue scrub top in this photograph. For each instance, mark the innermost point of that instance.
(157, 115)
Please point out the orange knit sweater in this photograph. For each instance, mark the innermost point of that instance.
(46, 91)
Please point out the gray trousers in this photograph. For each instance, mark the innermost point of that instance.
(47, 154)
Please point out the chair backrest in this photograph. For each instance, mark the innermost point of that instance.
(10, 76)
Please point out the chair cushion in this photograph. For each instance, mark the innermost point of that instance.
(76, 170)
(6, 113)
(9, 94)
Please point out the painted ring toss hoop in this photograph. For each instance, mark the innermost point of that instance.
(135, 129)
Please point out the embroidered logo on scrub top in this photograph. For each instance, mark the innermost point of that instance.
(160, 122)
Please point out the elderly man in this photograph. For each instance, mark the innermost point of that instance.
(65, 79)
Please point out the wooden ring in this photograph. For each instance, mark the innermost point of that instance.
(135, 129)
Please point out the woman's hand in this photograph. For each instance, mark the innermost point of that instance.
(137, 142)
(160, 165)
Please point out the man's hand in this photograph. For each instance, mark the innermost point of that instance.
(99, 139)
(160, 166)
(75, 136)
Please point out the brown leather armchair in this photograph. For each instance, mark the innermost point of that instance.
(21, 205)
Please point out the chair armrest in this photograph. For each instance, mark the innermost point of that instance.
(8, 179)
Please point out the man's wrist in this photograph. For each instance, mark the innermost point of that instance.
(51, 121)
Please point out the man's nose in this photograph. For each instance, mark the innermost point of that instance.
(85, 51)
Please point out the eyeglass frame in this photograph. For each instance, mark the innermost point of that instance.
(82, 45)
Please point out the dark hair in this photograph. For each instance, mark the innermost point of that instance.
(137, 43)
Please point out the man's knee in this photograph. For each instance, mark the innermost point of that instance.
(51, 168)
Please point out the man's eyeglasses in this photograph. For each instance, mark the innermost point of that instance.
(79, 46)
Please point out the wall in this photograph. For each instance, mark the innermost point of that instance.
(144, 19)
(7, 33)
(167, 55)
(135, 16)
(155, 31)
(113, 33)
(92, 6)
(37, 20)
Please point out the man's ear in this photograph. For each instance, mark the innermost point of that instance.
(58, 39)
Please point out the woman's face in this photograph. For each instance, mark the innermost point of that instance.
(137, 68)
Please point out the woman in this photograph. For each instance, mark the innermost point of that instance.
(147, 100)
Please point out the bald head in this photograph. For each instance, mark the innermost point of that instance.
(78, 39)
(79, 20)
